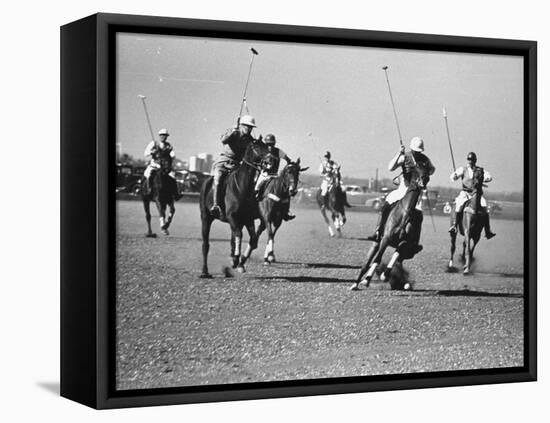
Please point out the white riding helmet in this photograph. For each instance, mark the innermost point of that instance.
(247, 120)
(163, 131)
(417, 144)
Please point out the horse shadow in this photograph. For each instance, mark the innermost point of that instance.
(304, 279)
(468, 293)
(320, 265)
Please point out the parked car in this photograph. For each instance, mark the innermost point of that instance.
(128, 178)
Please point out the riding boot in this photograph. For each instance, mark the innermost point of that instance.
(215, 209)
(487, 224)
(382, 217)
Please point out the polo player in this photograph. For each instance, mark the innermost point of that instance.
(235, 141)
(270, 167)
(330, 172)
(407, 161)
(466, 175)
(158, 151)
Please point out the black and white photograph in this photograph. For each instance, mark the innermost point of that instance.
(299, 211)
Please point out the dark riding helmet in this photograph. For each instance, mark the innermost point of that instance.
(327, 155)
(270, 139)
(472, 157)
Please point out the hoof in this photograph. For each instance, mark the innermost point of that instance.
(385, 275)
(267, 262)
(151, 235)
(407, 287)
(240, 269)
(271, 258)
(354, 287)
(165, 232)
(451, 269)
(466, 272)
(205, 276)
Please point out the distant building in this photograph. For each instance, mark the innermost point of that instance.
(196, 164)
(208, 161)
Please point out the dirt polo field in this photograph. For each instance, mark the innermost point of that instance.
(297, 318)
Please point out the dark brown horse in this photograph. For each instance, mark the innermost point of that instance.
(401, 231)
(239, 205)
(163, 192)
(473, 221)
(335, 202)
(275, 203)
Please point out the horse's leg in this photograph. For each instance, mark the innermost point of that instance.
(370, 255)
(147, 208)
(269, 246)
(234, 260)
(376, 260)
(206, 224)
(468, 253)
(453, 249)
(252, 242)
(236, 238)
(171, 212)
(276, 227)
(389, 267)
(328, 222)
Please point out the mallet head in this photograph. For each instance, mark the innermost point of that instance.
(253, 51)
(385, 67)
(142, 96)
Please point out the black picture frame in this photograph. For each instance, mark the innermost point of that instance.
(87, 209)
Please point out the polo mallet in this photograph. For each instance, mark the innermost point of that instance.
(449, 137)
(142, 97)
(393, 105)
(310, 135)
(243, 102)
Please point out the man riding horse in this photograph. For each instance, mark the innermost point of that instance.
(466, 174)
(408, 161)
(234, 141)
(159, 152)
(330, 172)
(270, 168)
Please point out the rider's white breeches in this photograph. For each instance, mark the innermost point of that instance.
(153, 166)
(264, 176)
(463, 197)
(398, 194)
(324, 187)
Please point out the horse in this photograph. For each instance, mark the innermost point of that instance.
(275, 202)
(401, 231)
(473, 221)
(163, 193)
(335, 202)
(239, 204)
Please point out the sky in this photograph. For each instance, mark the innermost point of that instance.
(316, 98)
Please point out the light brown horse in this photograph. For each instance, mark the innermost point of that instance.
(473, 221)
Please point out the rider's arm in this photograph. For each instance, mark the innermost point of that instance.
(225, 138)
(397, 161)
(283, 155)
(458, 173)
(149, 149)
(487, 177)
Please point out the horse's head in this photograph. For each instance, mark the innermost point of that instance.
(165, 165)
(417, 175)
(254, 153)
(292, 174)
(478, 178)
